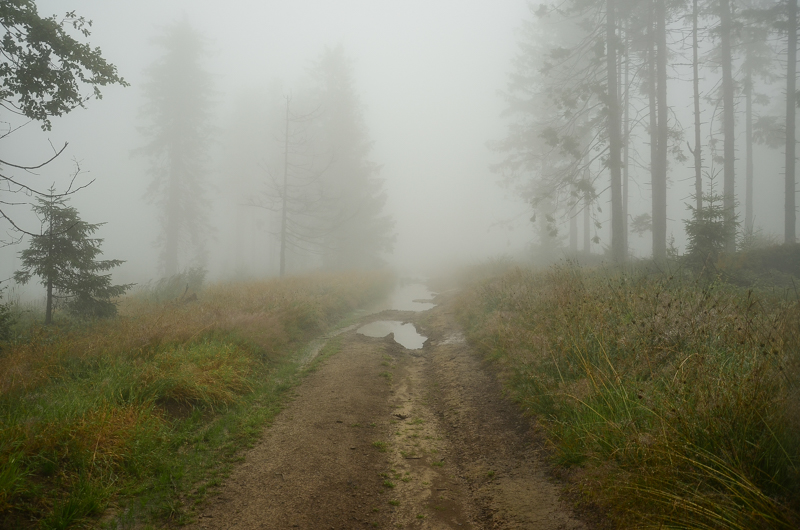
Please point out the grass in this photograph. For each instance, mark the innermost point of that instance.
(135, 419)
(675, 402)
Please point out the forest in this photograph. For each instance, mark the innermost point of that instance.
(590, 206)
(597, 107)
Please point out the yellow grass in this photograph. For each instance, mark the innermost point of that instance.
(85, 408)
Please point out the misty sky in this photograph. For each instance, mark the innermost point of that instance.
(427, 72)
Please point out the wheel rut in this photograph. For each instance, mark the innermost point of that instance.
(384, 437)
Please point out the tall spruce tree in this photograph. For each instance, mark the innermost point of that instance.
(565, 114)
(613, 118)
(790, 179)
(358, 232)
(758, 62)
(725, 31)
(178, 96)
(64, 257)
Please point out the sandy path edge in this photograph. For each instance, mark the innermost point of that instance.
(383, 437)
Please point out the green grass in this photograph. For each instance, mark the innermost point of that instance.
(677, 399)
(138, 418)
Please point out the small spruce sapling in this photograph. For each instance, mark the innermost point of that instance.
(64, 256)
(707, 231)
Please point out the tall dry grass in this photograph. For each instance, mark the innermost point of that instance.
(675, 402)
(86, 411)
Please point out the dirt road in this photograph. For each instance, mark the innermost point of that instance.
(384, 437)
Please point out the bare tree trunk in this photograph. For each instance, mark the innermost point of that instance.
(48, 314)
(573, 229)
(626, 136)
(285, 191)
(728, 123)
(653, 117)
(587, 224)
(791, 106)
(748, 125)
(698, 156)
(173, 220)
(660, 170)
(618, 250)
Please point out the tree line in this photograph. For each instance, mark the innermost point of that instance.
(589, 104)
(330, 199)
(308, 163)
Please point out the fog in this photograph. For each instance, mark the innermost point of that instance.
(428, 77)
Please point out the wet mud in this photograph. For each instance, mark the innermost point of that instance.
(382, 436)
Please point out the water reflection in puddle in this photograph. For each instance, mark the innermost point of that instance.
(404, 334)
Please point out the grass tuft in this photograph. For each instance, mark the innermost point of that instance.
(143, 413)
(676, 400)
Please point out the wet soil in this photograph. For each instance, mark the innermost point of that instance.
(384, 437)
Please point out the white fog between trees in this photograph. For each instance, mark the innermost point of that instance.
(266, 140)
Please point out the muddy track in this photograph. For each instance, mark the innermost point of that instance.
(384, 437)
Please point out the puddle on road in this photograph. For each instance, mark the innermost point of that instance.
(404, 334)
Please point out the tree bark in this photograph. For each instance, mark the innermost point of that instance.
(174, 215)
(626, 137)
(659, 176)
(728, 124)
(285, 191)
(587, 224)
(790, 235)
(653, 116)
(748, 125)
(573, 227)
(698, 152)
(48, 314)
(618, 250)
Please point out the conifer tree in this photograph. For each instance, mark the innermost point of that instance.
(64, 256)
(790, 213)
(178, 106)
(358, 231)
(708, 232)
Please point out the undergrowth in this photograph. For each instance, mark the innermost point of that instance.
(675, 402)
(135, 419)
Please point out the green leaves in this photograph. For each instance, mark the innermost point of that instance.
(43, 68)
